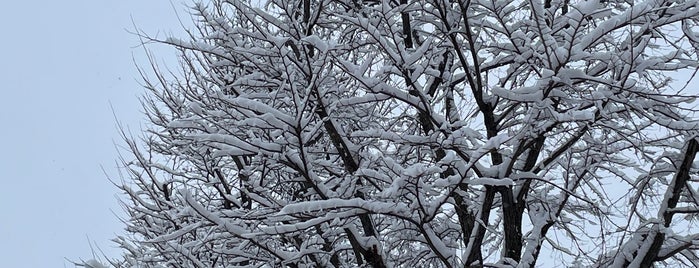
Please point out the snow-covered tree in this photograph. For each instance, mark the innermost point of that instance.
(420, 133)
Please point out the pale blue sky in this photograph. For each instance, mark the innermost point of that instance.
(61, 65)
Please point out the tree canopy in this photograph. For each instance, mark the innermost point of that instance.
(419, 133)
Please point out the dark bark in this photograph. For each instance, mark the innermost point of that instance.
(679, 182)
(372, 256)
(475, 256)
(405, 17)
(512, 224)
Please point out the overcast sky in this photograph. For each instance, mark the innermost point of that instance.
(61, 65)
